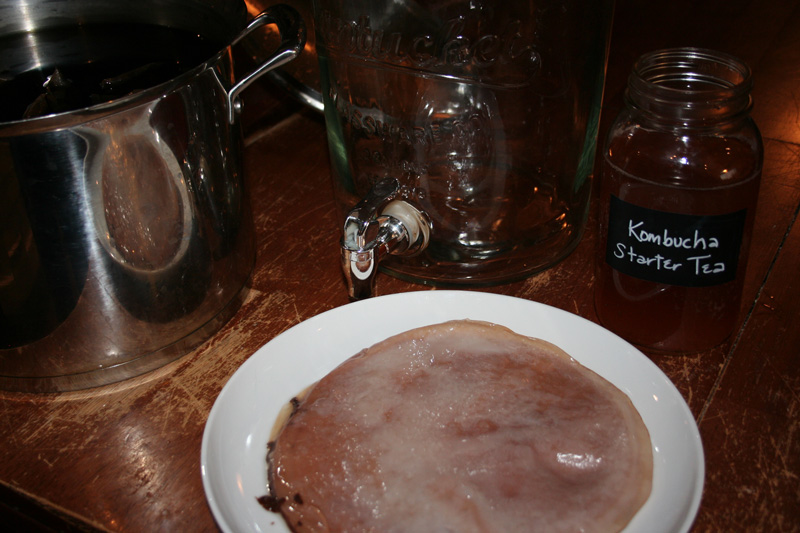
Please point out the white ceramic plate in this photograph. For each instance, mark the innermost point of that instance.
(233, 456)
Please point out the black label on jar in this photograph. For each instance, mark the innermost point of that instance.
(675, 249)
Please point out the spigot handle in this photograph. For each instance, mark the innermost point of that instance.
(379, 224)
(360, 226)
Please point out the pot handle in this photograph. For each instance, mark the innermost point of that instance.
(292, 32)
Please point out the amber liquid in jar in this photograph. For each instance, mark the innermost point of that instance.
(677, 202)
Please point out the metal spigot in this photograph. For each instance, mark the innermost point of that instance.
(378, 225)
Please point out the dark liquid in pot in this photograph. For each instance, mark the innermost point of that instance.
(65, 69)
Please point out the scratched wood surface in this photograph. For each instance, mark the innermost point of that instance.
(126, 457)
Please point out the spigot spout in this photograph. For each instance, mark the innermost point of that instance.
(379, 225)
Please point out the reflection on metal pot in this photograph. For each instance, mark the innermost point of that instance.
(125, 227)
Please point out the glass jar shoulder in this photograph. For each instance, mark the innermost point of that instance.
(709, 157)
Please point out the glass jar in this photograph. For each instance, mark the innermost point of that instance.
(679, 183)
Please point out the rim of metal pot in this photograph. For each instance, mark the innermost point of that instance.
(75, 117)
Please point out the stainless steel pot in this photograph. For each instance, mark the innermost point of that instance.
(124, 228)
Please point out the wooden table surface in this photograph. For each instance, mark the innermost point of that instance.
(126, 457)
